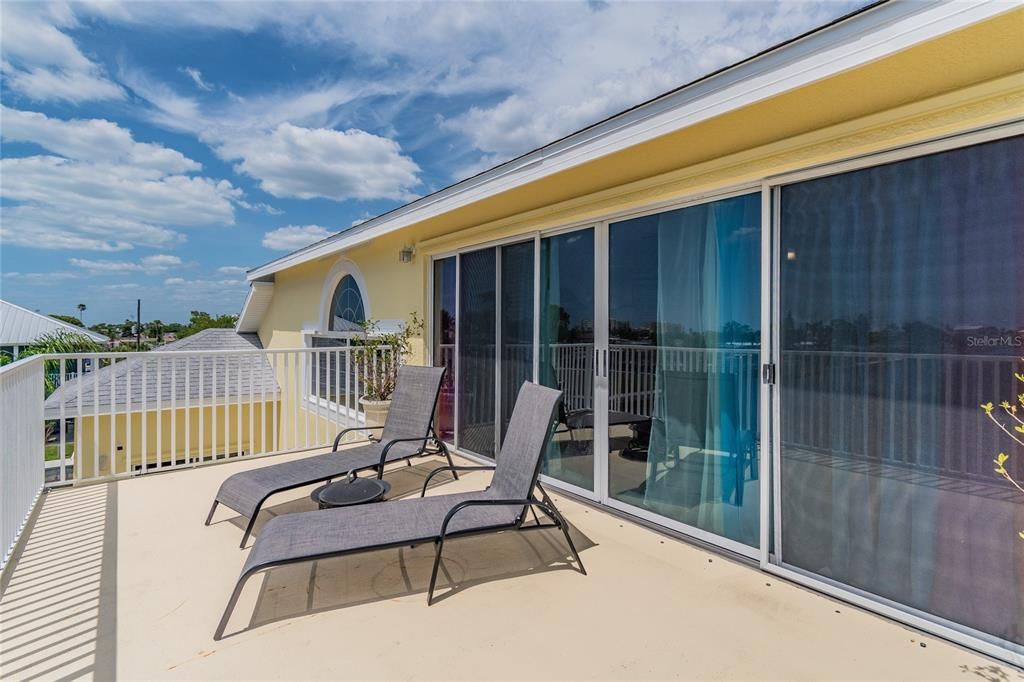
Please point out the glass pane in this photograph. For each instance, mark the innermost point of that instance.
(684, 342)
(444, 344)
(516, 324)
(902, 294)
(347, 313)
(477, 284)
(567, 351)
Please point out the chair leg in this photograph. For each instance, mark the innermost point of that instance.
(568, 539)
(448, 456)
(548, 507)
(249, 527)
(231, 606)
(209, 517)
(433, 574)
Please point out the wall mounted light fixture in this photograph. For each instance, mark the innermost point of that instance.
(406, 254)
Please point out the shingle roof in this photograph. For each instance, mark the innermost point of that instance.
(21, 326)
(168, 374)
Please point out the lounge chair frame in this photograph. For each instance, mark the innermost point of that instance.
(439, 448)
(544, 503)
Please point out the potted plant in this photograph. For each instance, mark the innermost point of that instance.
(379, 355)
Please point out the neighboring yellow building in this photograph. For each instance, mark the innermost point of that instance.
(773, 298)
(132, 416)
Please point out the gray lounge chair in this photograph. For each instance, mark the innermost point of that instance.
(309, 536)
(407, 432)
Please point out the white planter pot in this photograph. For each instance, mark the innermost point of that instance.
(376, 411)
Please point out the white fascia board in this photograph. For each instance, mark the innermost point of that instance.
(859, 40)
(256, 301)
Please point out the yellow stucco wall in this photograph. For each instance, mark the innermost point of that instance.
(115, 460)
(970, 79)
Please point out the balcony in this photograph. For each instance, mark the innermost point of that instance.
(116, 576)
(122, 579)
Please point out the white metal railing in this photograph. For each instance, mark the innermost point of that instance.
(21, 448)
(115, 414)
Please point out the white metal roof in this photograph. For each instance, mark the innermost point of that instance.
(21, 326)
(848, 43)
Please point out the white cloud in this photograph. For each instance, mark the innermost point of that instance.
(149, 265)
(41, 85)
(42, 62)
(92, 140)
(163, 261)
(294, 237)
(99, 267)
(41, 278)
(363, 217)
(536, 71)
(232, 269)
(106, 192)
(53, 227)
(292, 161)
(197, 77)
(226, 293)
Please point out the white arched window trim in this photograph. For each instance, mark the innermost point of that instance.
(321, 404)
(341, 268)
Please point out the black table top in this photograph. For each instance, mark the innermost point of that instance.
(348, 492)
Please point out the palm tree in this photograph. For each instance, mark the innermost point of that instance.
(154, 330)
(81, 309)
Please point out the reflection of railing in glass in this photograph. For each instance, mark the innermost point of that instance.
(911, 409)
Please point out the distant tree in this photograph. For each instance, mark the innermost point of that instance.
(108, 330)
(70, 319)
(81, 309)
(199, 320)
(154, 330)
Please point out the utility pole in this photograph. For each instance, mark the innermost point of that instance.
(138, 324)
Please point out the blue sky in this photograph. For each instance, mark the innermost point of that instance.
(156, 150)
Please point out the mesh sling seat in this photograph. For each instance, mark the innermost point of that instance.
(407, 432)
(309, 536)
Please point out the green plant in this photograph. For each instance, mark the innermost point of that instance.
(61, 341)
(1012, 427)
(380, 368)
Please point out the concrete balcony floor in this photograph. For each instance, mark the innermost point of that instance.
(122, 580)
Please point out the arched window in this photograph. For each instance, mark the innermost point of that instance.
(347, 311)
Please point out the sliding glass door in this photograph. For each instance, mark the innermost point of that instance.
(684, 325)
(901, 312)
(493, 344)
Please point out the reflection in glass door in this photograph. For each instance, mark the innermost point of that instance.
(684, 324)
(495, 336)
(901, 311)
(566, 351)
(444, 344)
(516, 324)
(477, 363)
